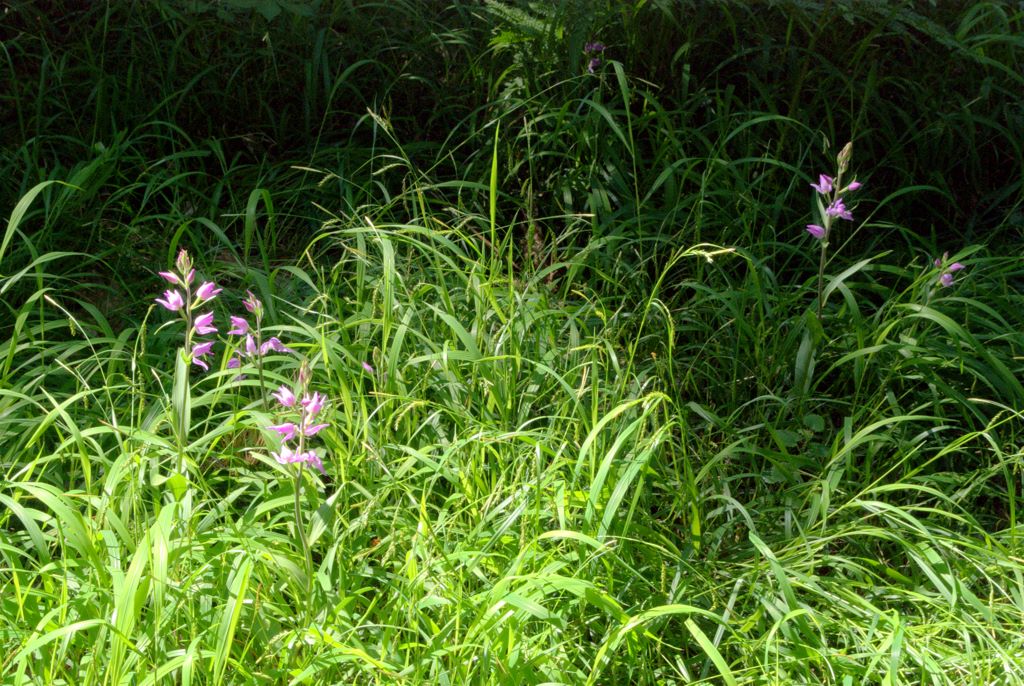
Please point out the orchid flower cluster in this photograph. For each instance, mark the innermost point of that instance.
(183, 301)
(302, 424)
(946, 277)
(185, 304)
(832, 189)
(253, 342)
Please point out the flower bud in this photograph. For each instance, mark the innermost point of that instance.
(184, 262)
(843, 158)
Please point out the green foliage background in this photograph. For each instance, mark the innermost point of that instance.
(605, 438)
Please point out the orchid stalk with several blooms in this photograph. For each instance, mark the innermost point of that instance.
(831, 189)
(185, 302)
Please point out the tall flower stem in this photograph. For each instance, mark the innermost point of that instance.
(259, 363)
(300, 531)
(821, 278)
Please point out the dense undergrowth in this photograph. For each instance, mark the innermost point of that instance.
(586, 422)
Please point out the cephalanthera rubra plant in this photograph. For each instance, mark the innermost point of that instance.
(830, 189)
(299, 411)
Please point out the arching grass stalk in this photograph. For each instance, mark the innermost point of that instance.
(832, 189)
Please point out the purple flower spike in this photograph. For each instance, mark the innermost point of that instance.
(946, 278)
(838, 209)
(170, 277)
(208, 291)
(824, 184)
(816, 231)
(199, 351)
(276, 346)
(239, 327)
(204, 324)
(287, 430)
(285, 396)
(172, 301)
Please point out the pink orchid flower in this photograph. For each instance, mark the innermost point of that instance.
(239, 327)
(284, 396)
(824, 184)
(199, 351)
(172, 300)
(275, 345)
(204, 324)
(208, 291)
(287, 430)
(313, 404)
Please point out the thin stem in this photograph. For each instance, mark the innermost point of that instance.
(186, 353)
(301, 533)
(821, 278)
(259, 360)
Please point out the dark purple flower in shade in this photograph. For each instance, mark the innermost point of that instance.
(592, 50)
(234, 362)
(204, 324)
(172, 300)
(199, 351)
(838, 209)
(824, 184)
(816, 231)
(946, 278)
